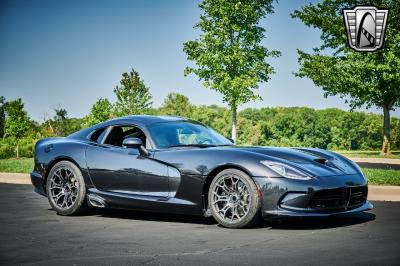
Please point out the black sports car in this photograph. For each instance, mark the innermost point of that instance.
(172, 164)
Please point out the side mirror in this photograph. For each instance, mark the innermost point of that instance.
(135, 143)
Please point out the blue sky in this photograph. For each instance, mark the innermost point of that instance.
(69, 53)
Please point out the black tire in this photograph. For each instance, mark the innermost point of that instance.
(79, 204)
(253, 215)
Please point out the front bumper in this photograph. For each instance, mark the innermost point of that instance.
(320, 196)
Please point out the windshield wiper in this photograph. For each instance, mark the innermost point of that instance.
(192, 145)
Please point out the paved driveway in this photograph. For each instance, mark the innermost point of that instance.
(31, 233)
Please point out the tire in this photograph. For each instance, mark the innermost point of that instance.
(234, 204)
(66, 189)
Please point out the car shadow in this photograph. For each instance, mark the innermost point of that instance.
(152, 216)
(298, 223)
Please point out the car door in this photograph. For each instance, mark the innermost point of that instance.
(113, 168)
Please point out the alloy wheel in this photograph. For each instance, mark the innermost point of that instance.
(64, 187)
(231, 198)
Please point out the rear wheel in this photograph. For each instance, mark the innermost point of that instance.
(233, 199)
(66, 189)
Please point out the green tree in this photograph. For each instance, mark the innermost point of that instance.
(2, 115)
(17, 122)
(133, 97)
(228, 53)
(102, 110)
(177, 104)
(60, 121)
(370, 79)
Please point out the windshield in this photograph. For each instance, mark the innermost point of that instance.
(173, 134)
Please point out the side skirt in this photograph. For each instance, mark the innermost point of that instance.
(104, 199)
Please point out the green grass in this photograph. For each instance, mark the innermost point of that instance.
(369, 154)
(382, 176)
(375, 176)
(22, 165)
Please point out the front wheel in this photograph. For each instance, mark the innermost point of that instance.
(233, 199)
(65, 189)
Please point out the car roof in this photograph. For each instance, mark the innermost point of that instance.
(139, 120)
(147, 119)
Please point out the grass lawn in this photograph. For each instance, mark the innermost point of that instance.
(382, 176)
(375, 176)
(21, 165)
(369, 154)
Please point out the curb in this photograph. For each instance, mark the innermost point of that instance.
(384, 193)
(15, 178)
(375, 193)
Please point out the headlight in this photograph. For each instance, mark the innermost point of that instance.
(286, 170)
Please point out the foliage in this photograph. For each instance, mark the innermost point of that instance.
(228, 53)
(176, 104)
(17, 122)
(213, 116)
(102, 110)
(366, 78)
(60, 121)
(133, 97)
(2, 115)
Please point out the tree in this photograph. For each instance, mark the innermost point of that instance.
(17, 122)
(60, 120)
(133, 97)
(368, 79)
(101, 111)
(177, 104)
(228, 53)
(2, 115)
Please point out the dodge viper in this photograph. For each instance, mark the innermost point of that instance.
(176, 165)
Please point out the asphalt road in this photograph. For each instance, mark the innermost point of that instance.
(31, 233)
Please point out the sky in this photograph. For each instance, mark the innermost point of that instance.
(70, 53)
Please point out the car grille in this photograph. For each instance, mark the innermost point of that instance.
(338, 199)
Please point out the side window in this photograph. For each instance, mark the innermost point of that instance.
(119, 133)
(98, 135)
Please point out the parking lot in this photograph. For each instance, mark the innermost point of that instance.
(31, 233)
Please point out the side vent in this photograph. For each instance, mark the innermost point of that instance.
(96, 201)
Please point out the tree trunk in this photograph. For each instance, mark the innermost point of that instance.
(17, 150)
(386, 131)
(234, 122)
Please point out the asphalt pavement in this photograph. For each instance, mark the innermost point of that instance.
(33, 234)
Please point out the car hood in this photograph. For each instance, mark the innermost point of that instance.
(203, 160)
(316, 162)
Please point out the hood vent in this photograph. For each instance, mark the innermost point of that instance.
(321, 160)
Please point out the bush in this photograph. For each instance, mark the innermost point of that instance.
(8, 148)
(6, 151)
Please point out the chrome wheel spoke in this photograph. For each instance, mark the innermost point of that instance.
(225, 209)
(224, 187)
(220, 198)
